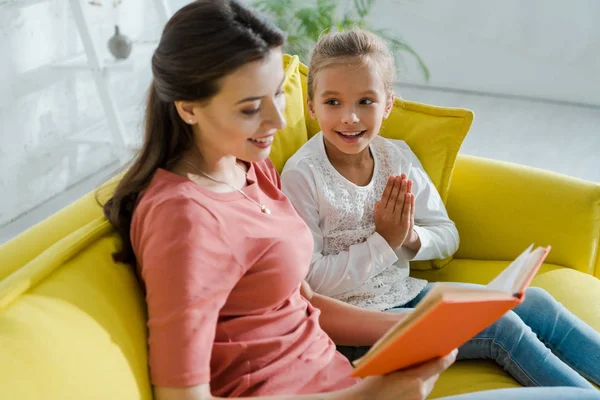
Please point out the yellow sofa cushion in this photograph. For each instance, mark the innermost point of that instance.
(25, 247)
(521, 205)
(435, 134)
(293, 136)
(72, 322)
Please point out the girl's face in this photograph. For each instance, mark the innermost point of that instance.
(350, 102)
(241, 119)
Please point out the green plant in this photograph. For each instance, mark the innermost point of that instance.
(305, 23)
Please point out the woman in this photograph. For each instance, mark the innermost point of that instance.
(219, 248)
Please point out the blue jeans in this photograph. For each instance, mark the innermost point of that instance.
(540, 343)
(554, 393)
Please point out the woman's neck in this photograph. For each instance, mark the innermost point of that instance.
(203, 167)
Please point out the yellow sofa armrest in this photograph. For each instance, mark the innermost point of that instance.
(29, 244)
(500, 208)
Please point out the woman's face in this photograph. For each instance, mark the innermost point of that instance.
(241, 120)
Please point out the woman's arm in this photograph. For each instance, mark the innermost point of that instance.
(202, 392)
(414, 384)
(362, 327)
(348, 325)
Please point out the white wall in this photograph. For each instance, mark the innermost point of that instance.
(540, 48)
(548, 49)
(41, 106)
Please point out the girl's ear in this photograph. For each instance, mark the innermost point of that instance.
(389, 105)
(311, 108)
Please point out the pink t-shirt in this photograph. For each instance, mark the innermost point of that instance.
(223, 290)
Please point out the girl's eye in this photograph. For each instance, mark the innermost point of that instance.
(251, 112)
(367, 101)
(332, 102)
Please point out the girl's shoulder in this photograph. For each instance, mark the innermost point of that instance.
(310, 152)
(392, 145)
(394, 150)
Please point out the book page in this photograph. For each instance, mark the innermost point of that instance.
(532, 263)
(507, 279)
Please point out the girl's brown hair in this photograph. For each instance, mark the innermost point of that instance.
(203, 42)
(356, 45)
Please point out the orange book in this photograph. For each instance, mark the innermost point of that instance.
(448, 316)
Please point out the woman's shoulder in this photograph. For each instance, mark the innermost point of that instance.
(265, 166)
(166, 186)
(170, 209)
(169, 194)
(266, 170)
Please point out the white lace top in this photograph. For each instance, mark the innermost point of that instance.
(351, 262)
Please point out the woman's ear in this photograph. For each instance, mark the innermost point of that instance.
(186, 111)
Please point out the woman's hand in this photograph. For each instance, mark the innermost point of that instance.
(409, 384)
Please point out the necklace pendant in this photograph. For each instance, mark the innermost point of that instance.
(265, 210)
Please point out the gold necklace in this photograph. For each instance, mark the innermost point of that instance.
(262, 207)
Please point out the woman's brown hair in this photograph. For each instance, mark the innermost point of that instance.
(203, 42)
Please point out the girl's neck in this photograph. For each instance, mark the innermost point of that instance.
(357, 168)
(337, 157)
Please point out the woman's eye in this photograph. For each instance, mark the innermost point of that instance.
(251, 112)
(332, 102)
(367, 101)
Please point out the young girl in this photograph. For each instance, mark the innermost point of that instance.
(372, 208)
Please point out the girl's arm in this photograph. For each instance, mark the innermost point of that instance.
(435, 235)
(336, 273)
(348, 325)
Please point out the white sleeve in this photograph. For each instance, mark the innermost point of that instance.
(438, 234)
(336, 273)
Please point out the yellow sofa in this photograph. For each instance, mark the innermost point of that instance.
(72, 322)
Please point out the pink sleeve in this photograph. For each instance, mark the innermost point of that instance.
(189, 271)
